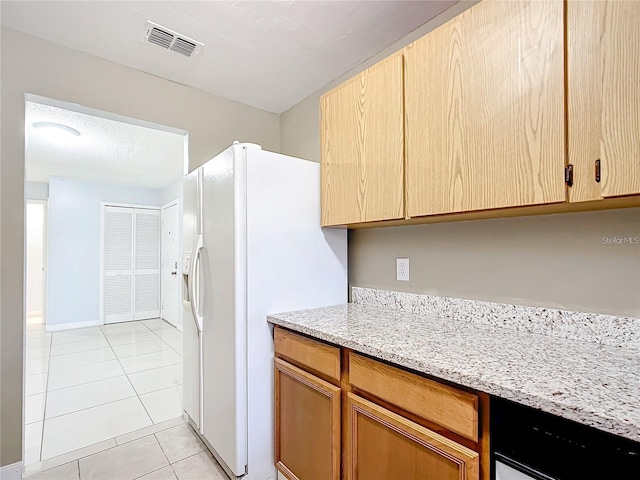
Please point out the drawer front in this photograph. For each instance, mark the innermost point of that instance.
(382, 445)
(446, 406)
(317, 356)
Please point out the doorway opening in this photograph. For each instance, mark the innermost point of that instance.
(103, 355)
(36, 256)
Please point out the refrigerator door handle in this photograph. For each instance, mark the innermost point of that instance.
(194, 293)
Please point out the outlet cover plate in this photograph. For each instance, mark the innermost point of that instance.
(402, 269)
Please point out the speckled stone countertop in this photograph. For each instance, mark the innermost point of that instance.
(592, 384)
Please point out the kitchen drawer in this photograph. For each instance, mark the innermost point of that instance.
(317, 356)
(383, 445)
(453, 409)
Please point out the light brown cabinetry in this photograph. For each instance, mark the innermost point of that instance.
(485, 110)
(452, 409)
(362, 143)
(307, 424)
(352, 417)
(497, 102)
(311, 354)
(603, 80)
(383, 445)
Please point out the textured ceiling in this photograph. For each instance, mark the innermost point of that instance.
(106, 151)
(267, 54)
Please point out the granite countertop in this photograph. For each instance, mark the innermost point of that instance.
(591, 384)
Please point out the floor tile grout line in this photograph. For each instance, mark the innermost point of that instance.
(124, 373)
(44, 408)
(164, 340)
(152, 433)
(80, 366)
(86, 383)
(77, 459)
(76, 341)
(158, 389)
(135, 354)
(152, 368)
(130, 383)
(116, 444)
(163, 452)
(95, 406)
(80, 351)
(83, 364)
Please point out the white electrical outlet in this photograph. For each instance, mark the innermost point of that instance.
(402, 269)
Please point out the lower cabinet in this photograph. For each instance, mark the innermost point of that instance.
(342, 416)
(307, 425)
(383, 445)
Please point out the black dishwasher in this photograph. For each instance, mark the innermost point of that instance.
(527, 443)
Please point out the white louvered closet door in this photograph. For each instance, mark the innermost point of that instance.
(147, 264)
(118, 264)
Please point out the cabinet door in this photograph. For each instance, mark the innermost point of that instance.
(485, 110)
(362, 138)
(603, 70)
(307, 425)
(383, 445)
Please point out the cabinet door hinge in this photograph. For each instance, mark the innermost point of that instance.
(598, 170)
(568, 175)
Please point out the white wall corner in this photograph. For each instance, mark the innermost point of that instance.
(11, 472)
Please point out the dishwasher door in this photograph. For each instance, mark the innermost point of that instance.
(514, 471)
(505, 472)
(530, 444)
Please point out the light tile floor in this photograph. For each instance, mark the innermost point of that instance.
(167, 451)
(91, 385)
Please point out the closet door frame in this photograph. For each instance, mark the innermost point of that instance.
(134, 206)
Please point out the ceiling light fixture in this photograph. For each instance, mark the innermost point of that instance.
(57, 127)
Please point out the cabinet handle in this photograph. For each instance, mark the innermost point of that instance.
(598, 170)
(568, 175)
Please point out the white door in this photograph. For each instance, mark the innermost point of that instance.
(191, 338)
(147, 264)
(222, 304)
(169, 276)
(118, 264)
(131, 268)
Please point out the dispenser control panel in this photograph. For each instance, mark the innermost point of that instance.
(186, 263)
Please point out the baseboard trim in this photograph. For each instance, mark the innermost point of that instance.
(70, 325)
(11, 472)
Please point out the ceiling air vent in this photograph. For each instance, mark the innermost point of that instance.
(171, 40)
(183, 46)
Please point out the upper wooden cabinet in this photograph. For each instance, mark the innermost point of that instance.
(485, 110)
(603, 74)
(362, 145)
(497, 102)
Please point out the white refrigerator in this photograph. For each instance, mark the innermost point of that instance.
(252, 227)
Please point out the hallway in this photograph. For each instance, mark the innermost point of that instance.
(89, 385)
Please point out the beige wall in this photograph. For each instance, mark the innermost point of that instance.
(32, 65)
(549, 261)
(554, 261)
